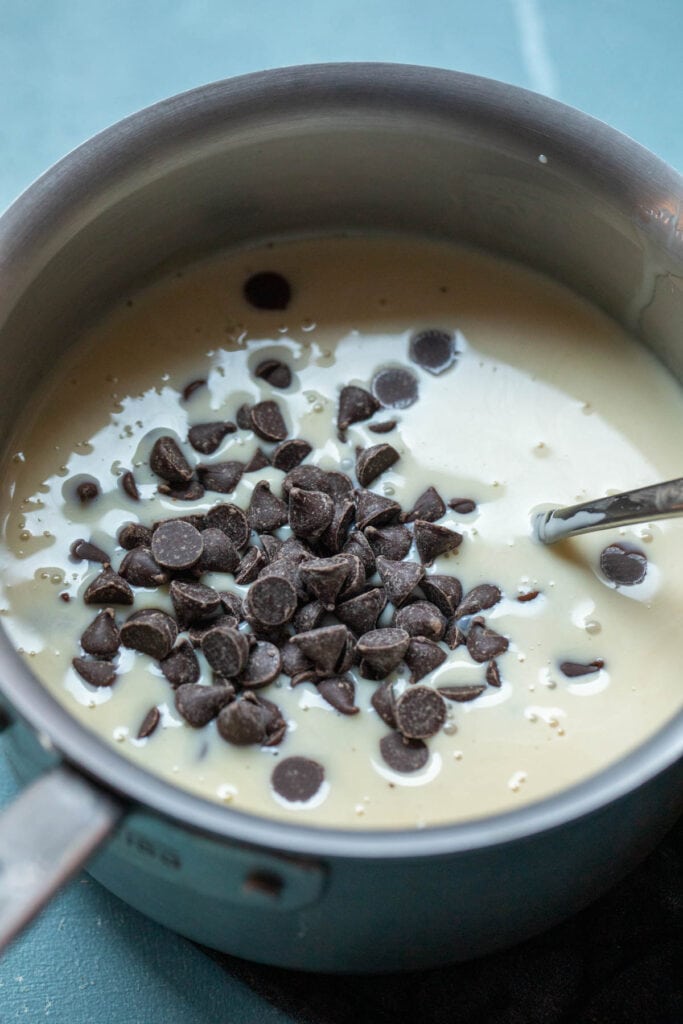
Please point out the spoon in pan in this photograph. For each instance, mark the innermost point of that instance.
(659, 501)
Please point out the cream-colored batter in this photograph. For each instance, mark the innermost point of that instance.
(549, 402)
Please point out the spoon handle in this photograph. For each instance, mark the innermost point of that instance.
(659, 501)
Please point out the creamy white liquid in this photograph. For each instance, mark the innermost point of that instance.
(549, 403)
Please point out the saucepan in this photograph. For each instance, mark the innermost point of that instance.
(323, 149)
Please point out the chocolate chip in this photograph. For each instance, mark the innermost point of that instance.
(168, 462)
(190, 388)
(337, 485)
(271, 600)
(574, 669)
(372, 462)
(309, 616)
(294, 550)
(97, 673)
(177, 545)
(290, 453)
(310, 512)
(306, 478)
(267, 421)
(193, 602)
(232, 603)
(199, 704)
(422, 618)
(191, 491)
(287, 569)
(355, 405)
(622, 565)
(219, 554)
(181, 666)
(461, 694)
(271, 546)
(196, 633)
(454, 636)
(134, 535)
(259, 460)
(266, 511)
(263, 665)
(486, 595)
(297, 779)
(324, 646)
(399, 578)
(276, 726)
(395, 387)
(374, 509)
(102, 638)
(108, 588)
(324, 578)
(484, 644)
(433, 540)
(358, 545)
(422, 657)
(428, 507)
(243, 721)
(85, 549)
(250, 566)
(443, 591)
(383, 649)
(127, 482)
(382, 426)
(276, 373)
(360, 613)
(206, 437)
(433, 350)
(222, 477)
(463, 506)
(232, 521)
(420, 713)
(403, 755)
(140, 569)
(294, 661)
(243, 417)
(348, 656)
(267, 290)
(87, 491)
(392, 542)
(340, 692)
(355, 578)
(150, 631)
(384, 703)
(334, 536)
(149, 723)
(226, 650)
(493, 674)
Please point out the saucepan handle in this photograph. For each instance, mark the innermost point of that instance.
(46, 835)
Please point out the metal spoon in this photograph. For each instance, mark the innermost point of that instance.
(660, 501)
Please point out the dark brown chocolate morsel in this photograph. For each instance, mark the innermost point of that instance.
(149, 723)
(129, 486)
(243, 417)
(108, 588)
(134, 535)
(462, 694)
(391, 542)
(151, 632)
(267, 421)
(283, 568)
(232, 603)
(168, 462)
(197, 632)
(454, 636)
(340, 692)
(266, 511)
(421, 618)
(623, 566)
(333, 538)
(294, 550)
(359, 545)
(493, 674)
(384, 703)
(399, 578)
(297, 779)
(486, 595)
(226, 650)
(383, 649)
(294, 661)
(274, 372)
(324, 578)
(337, 485)
(395, 387)
(177, 545)
(309, 616)
(250, 566)
(276, 726)
(355, 577)
(232, 521)
(85, 549)
(290, 454)
(267, 290)
(64, 597)
(263, 665)
(420, 713)
(355, 405)
(360, 613)
(194, 602)
(483, 643)
(199, 704)
(443, 591)
(192, 491)
(271, 546)
(140, 569)
(181, 665)
(428, 507)
(433, 350)
(222, 477)
(374, 509)
(324, 646)
(348, 656)
(190, 388)
(433, 540)
(372, 462)
(206, 437)
(102, 638)
(463, 506)
(97, 673)
(422, 657)
(243, 721)
(529, 595)
(259, 460)
(402, 754)
(574, 669)
(271, 600)
(87, 491)
(310, 512)
(382, 426)
(219, 554)
(306, 477)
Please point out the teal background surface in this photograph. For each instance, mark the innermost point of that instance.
(69, 68)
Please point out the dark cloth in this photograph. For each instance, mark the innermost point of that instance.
(619, 961)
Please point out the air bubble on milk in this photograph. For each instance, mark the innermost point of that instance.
(516, 780)
(542, 158)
